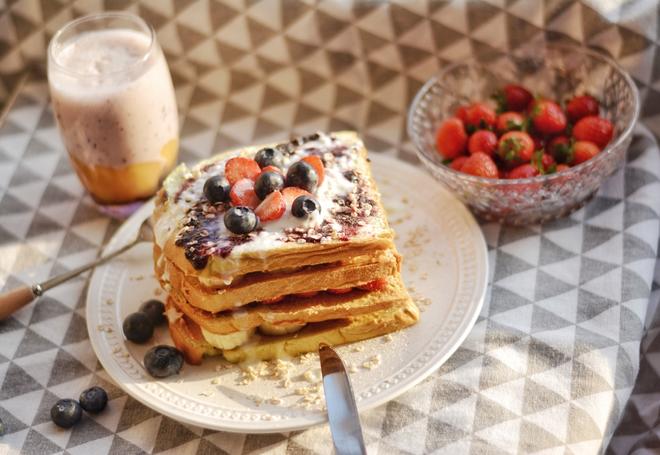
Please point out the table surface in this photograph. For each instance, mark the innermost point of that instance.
(553, 357)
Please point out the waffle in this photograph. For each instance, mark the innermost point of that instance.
(333, 276)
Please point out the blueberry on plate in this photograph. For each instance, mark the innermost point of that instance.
(138, 327)
(155, 309)
(93, 399)
(267, 182)
(162, 361)
(216, 190)
(240, 220)
(269, 157)
(302, 175)
(66, 413)
(303, 206)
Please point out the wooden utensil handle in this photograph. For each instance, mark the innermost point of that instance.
(14, 300)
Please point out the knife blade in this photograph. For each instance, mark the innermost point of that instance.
(340, 401)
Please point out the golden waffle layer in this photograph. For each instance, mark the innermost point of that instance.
(260, 287)
(295, 310)
(187, 335)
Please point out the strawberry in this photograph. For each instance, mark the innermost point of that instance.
(584, 151)
(290, 194)
(461, 113)
(562, 167)
(510, 121)
(458, 162)
(272, 169)
(240, 168)
(483, 141)
(306, 295)
(375, 285)
(279, 298)
(340, 290)
(481, 165)
(479, 115)
(594, 129)
(539, 142)
(547, 117)
(523, 171)
(560, 148)
(317, 164)
(242, 193)
(515, 147)
(271, 208)
(451, 138)
(581, 106)
(513, 98)
(543, 162)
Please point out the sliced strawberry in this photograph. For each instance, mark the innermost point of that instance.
(272, 169)
(523, 171)
(584, 151)
(483, 141)
(547, 116)
(290, 194)
(594, 129)
(510, 121)
(515, 147)
(241, 168)
(480, 116)
(340, 290)
(375, 285)
(481, 165)
(581, 106)
(457, 163)
(306, 295)
(451, 138)
(242, 193)
(279, 298)
(317, 164)
(271, 208)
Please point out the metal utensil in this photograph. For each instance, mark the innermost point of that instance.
(340, 401)
(15, 299)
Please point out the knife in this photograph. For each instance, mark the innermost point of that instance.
(340, 401)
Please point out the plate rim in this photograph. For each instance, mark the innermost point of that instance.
(458, 335)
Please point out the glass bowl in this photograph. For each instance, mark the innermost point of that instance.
(557, 71)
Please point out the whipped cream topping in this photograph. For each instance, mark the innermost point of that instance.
(348, 208)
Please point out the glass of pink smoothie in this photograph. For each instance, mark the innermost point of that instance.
(113, 98)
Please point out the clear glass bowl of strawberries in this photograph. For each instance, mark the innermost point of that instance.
(528, 137)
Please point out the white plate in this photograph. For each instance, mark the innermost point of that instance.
(445, 267)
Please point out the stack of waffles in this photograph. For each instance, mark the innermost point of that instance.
(291, 281)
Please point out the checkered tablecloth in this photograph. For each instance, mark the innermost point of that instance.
(551, 362)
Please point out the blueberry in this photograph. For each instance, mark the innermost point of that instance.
(138, 327)
(302, 175)
(303, 206)
(93, 399)
(155, 309)
(269, 157)
(66, 413)
(215, 190)
(240, 220)
(268, 182)
(163, 361)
